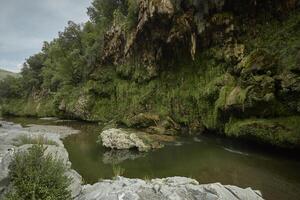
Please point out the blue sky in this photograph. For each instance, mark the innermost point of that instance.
(25, 24)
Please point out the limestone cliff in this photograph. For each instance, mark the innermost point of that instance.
(245, 86)
(223, 65)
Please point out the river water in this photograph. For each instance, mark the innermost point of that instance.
(207, 159)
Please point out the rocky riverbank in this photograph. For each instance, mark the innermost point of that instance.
(173, 188)
(12, 140)
(14, 137)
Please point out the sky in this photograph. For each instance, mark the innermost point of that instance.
(25, 24)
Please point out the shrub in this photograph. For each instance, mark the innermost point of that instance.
(40, 139)
(35, 175)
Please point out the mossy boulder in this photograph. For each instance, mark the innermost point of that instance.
(252, 96)
(262, 89)
(166, 126)
(258, 62)
(236, 98)
(282, 132)
(142, 120)
(153, 124)
(289, 83)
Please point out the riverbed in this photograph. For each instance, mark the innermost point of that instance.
(205, 158)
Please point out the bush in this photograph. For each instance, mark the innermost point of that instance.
(37, 176)
(40, 139)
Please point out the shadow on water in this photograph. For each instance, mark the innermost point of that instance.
(206, 158)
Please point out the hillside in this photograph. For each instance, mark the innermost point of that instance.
(4, 73)
(231, 67)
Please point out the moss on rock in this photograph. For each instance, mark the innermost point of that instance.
(282, 132)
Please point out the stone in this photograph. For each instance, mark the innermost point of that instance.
(172, 188)
(281, 132)
(196, 127)
(143, 120)
(166, 126)
(258, 62)
(289, 83)
(114, 42)
(122, 139)
(6, 152)
(76, 183)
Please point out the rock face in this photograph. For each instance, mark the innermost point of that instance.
(180, 25)
(123, 139)
(175, 188)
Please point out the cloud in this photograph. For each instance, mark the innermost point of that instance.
(25, 24)
(10, 65)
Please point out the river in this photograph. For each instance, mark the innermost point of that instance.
(205, 158)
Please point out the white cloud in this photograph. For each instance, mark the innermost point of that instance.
(11, 65)
(20, 66)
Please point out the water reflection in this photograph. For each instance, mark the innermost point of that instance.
(115, 157)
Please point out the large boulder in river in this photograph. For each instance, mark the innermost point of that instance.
(129, 139)
(174, 188)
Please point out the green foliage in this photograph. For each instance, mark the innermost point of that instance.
(281, 132)
(28, 107)
(281, 37)
(31, 72)
(71, 58)
(10, 87)
(4, 74)
(37, 176)
(102, 11)
(132, 16)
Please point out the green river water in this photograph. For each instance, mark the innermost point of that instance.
(207, 159)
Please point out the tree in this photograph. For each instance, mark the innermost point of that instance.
(102, 10)
(31, 72)
(10, 87)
